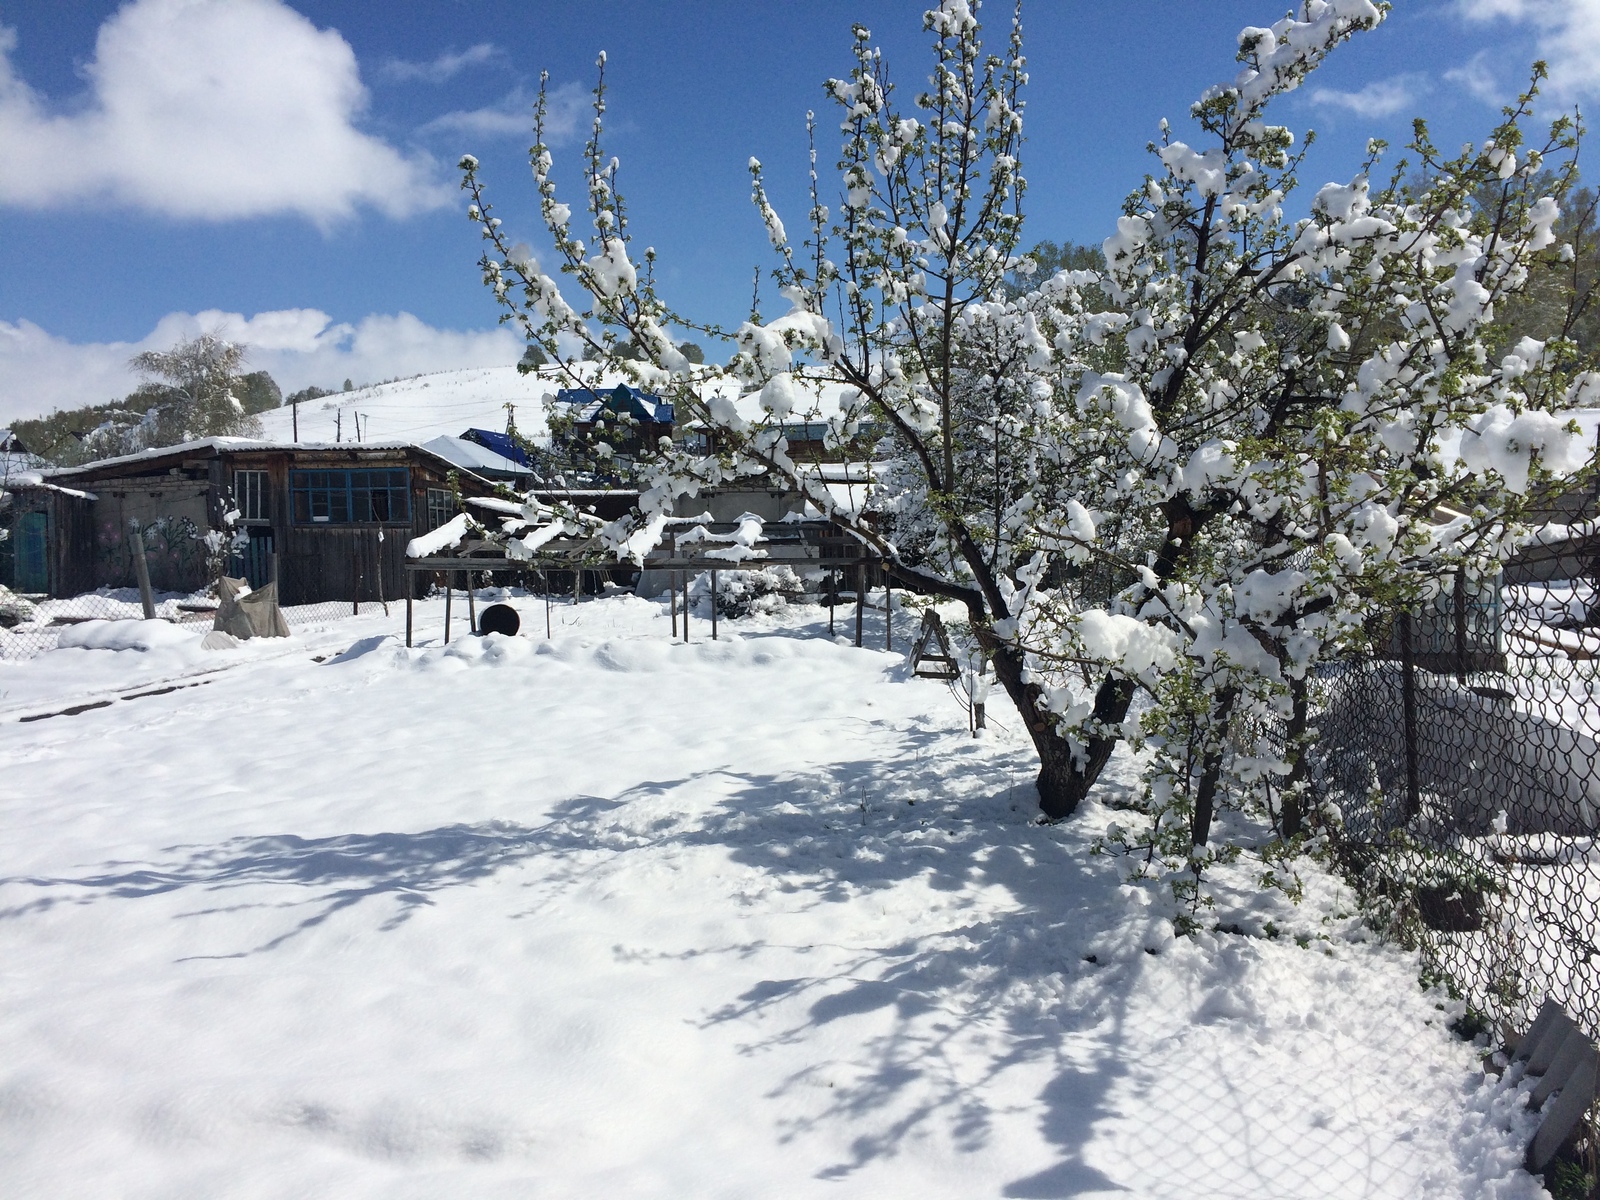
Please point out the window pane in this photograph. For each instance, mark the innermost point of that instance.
(250, 494)
(342, 497)
(441, 507)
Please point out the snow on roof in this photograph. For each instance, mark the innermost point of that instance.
(35, 481)
(473, 456)
(220, 444)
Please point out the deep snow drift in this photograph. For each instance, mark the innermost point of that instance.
(612, 916)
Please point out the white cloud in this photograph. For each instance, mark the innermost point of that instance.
(446, 66)
(216, 109)
(1381, 98)
(1477, 77)
(40, 372)
(513, 116)
(1568, 37)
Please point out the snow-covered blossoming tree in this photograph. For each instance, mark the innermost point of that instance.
(193, 390)
(1194, 474)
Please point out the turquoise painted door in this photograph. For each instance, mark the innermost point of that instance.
(32, 564)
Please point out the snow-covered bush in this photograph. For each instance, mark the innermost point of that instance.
(1194, 474)
(741, 593)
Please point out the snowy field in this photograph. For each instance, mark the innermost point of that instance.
(610, 916)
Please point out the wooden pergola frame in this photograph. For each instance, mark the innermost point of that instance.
(683, 569)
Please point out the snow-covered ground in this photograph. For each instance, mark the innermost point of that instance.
(608, 915)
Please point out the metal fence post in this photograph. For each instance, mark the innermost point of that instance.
(713, 605)
(1408, 704)
(1461, 624)
(448, 590)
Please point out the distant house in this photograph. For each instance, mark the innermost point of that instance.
(633, 419)
(334, 519)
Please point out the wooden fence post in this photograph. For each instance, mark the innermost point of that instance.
(888, 611)
(381, 599)
(472, 606)
(861, 599)
(141, 570)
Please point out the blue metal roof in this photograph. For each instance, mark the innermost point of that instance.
(641, 405)
(501, 443)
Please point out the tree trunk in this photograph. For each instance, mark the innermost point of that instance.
(1064, 780)
(1293, 799)
(1205, 799)
(1111, 703)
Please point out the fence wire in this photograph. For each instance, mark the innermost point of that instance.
(1463, 756)
(31, 626)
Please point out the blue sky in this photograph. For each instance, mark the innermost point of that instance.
(283, 169)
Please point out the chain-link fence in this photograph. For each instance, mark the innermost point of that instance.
(1463, 756)
(32, 625)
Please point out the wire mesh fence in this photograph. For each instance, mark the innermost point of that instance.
(1463, 757)
(33, 625)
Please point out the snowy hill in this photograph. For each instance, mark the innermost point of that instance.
(421, 408)
(448, 403)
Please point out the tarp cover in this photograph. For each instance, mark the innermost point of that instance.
(245, 613)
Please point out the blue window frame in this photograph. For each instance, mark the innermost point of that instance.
(351, 497)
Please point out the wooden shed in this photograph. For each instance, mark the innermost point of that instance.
(48, 529)
(335, 517)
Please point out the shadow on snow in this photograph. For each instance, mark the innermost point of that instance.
(927, 812)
